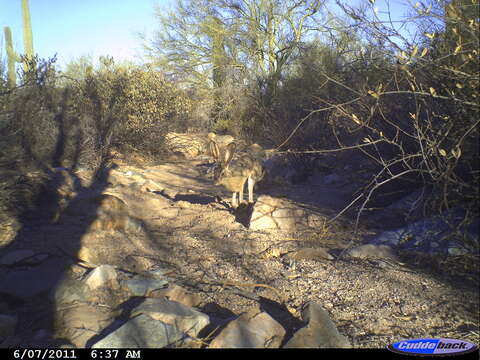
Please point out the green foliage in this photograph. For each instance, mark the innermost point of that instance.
(65, 121)
(143, 103)
(76, 70)
(216, 45)
(151, 101)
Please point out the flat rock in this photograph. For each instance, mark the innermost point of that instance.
(80, 323)
(178, 294)
(142, 286)
(270, 213)
(320, 332)
(16, 256)
(183, 318)
(141, 332)
(436, 235)
(156, 323)
(69, 291)
(250, 330)
(35, 280)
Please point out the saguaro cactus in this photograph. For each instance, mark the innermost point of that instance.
(27, 34)
(12, 56)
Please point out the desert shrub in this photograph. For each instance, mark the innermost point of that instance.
(101, 104)
(69, 120)
(22, 151)
(307, 87)
(131, 107)
(410, 106)
(29, 112)
(153, 106)
(418, 115)
(229, 112)
(54, 119)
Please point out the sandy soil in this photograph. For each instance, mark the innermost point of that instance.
(211, 253)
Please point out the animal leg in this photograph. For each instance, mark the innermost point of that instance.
(241, 190)
(234, 200)
(251, 184)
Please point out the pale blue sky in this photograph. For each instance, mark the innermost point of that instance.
(72, 28)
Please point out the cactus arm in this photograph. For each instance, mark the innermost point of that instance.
(12, 58)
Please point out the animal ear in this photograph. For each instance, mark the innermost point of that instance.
(214, 150)
(229, 153)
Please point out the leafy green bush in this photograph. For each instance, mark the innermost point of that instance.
(128, 105)
(153, 106)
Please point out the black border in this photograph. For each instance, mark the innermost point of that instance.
(145, 354)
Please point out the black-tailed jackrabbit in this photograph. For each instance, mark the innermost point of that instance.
(233, 173)
(221, 140)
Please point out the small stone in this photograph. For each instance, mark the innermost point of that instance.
(455, 251)
(180, 295)
(101, 276)
(318, 254)
(372, 251)
(141, 286)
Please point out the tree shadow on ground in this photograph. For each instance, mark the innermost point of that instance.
(28, 287)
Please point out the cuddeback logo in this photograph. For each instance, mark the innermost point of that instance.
(431, 347)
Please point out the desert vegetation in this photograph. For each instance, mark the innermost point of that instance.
(295, 76)
(389, 101)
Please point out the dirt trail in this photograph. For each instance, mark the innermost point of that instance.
(185, 230)
(371, 304)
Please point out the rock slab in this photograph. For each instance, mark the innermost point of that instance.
(156, 323)
(250, 330)
(320, 332)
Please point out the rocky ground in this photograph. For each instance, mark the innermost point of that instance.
(275, 257)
